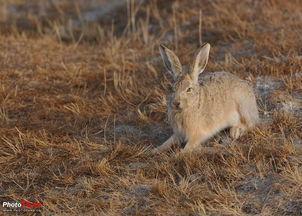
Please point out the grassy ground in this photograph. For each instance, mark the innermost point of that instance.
(82, 102)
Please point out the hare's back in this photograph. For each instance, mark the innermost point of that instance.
(225, 84)
(213, 77)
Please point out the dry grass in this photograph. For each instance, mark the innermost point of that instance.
(82, 105)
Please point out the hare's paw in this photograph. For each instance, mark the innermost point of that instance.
(236, 132)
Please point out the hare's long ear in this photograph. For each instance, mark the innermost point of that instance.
(201, 61)
(171, 61)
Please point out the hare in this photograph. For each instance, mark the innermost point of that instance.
(198, 111)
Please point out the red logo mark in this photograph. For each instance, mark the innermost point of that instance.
(31, 205)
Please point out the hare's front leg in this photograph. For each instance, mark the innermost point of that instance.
(194, 142)
(166, 145)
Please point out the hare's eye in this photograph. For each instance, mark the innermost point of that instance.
(189, 89)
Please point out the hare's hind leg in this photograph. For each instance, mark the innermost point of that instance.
(248, 117)
(166, 145)
(238, 126)
(248, 111)
(237, 131)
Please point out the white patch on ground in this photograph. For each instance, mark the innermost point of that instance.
(264, 88)
(265, 85)
(292, 107)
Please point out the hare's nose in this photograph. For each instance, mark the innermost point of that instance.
(176, 104)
